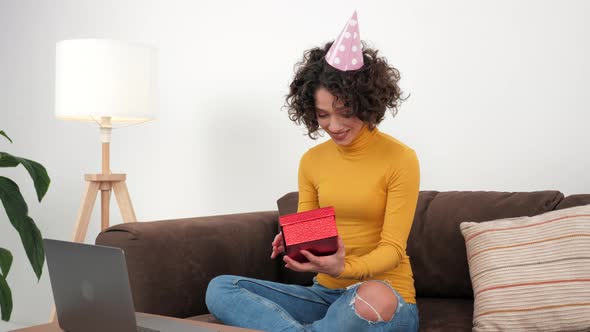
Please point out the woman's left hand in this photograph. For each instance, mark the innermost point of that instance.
(332, 265)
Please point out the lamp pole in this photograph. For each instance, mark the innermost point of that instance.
(105, 186)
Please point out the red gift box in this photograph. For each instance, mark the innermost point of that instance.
(314, 231)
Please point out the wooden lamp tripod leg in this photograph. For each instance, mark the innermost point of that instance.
(105, 195)
(83, 220)
(124, 201)
(85, 211)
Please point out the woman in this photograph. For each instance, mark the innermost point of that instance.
(371, 179)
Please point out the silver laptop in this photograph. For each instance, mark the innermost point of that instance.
(91, 291)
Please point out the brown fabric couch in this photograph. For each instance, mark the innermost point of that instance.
(170, 262)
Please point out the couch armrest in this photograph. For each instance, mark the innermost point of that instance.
(170, 262)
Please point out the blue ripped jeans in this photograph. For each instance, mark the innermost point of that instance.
(272, 306)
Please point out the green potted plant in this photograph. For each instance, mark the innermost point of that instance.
(18, 215)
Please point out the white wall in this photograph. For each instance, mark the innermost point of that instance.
(498, 102)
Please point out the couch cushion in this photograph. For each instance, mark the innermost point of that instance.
(437, 314)
(531, 273)
(288, 203)
(573, 200)
(435, 245)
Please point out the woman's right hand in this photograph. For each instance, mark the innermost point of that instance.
(277, 246)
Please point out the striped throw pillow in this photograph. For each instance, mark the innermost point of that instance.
(531, 273)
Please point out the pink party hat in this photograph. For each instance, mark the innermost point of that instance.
(346, 53)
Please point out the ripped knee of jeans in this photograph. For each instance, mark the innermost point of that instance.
(353, 303)
(367, 311)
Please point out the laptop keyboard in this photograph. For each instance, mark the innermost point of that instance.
(145, 329)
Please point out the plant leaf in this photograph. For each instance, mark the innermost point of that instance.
(5, 299)
(37, 172)
(4, 134)
(18, 214)
(7, 161)
(5, 262)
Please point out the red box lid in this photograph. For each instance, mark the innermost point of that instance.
(306, 215)
(309, 225)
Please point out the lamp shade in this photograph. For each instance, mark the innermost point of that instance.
(97, 78)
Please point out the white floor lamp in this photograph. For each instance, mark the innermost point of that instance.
(105, 82)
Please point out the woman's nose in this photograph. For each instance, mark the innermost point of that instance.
(335, 126)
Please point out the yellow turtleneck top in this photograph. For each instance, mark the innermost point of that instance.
(373, 184)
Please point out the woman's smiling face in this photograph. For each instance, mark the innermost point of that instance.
(335, 118)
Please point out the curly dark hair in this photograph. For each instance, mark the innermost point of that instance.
(368, 91)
